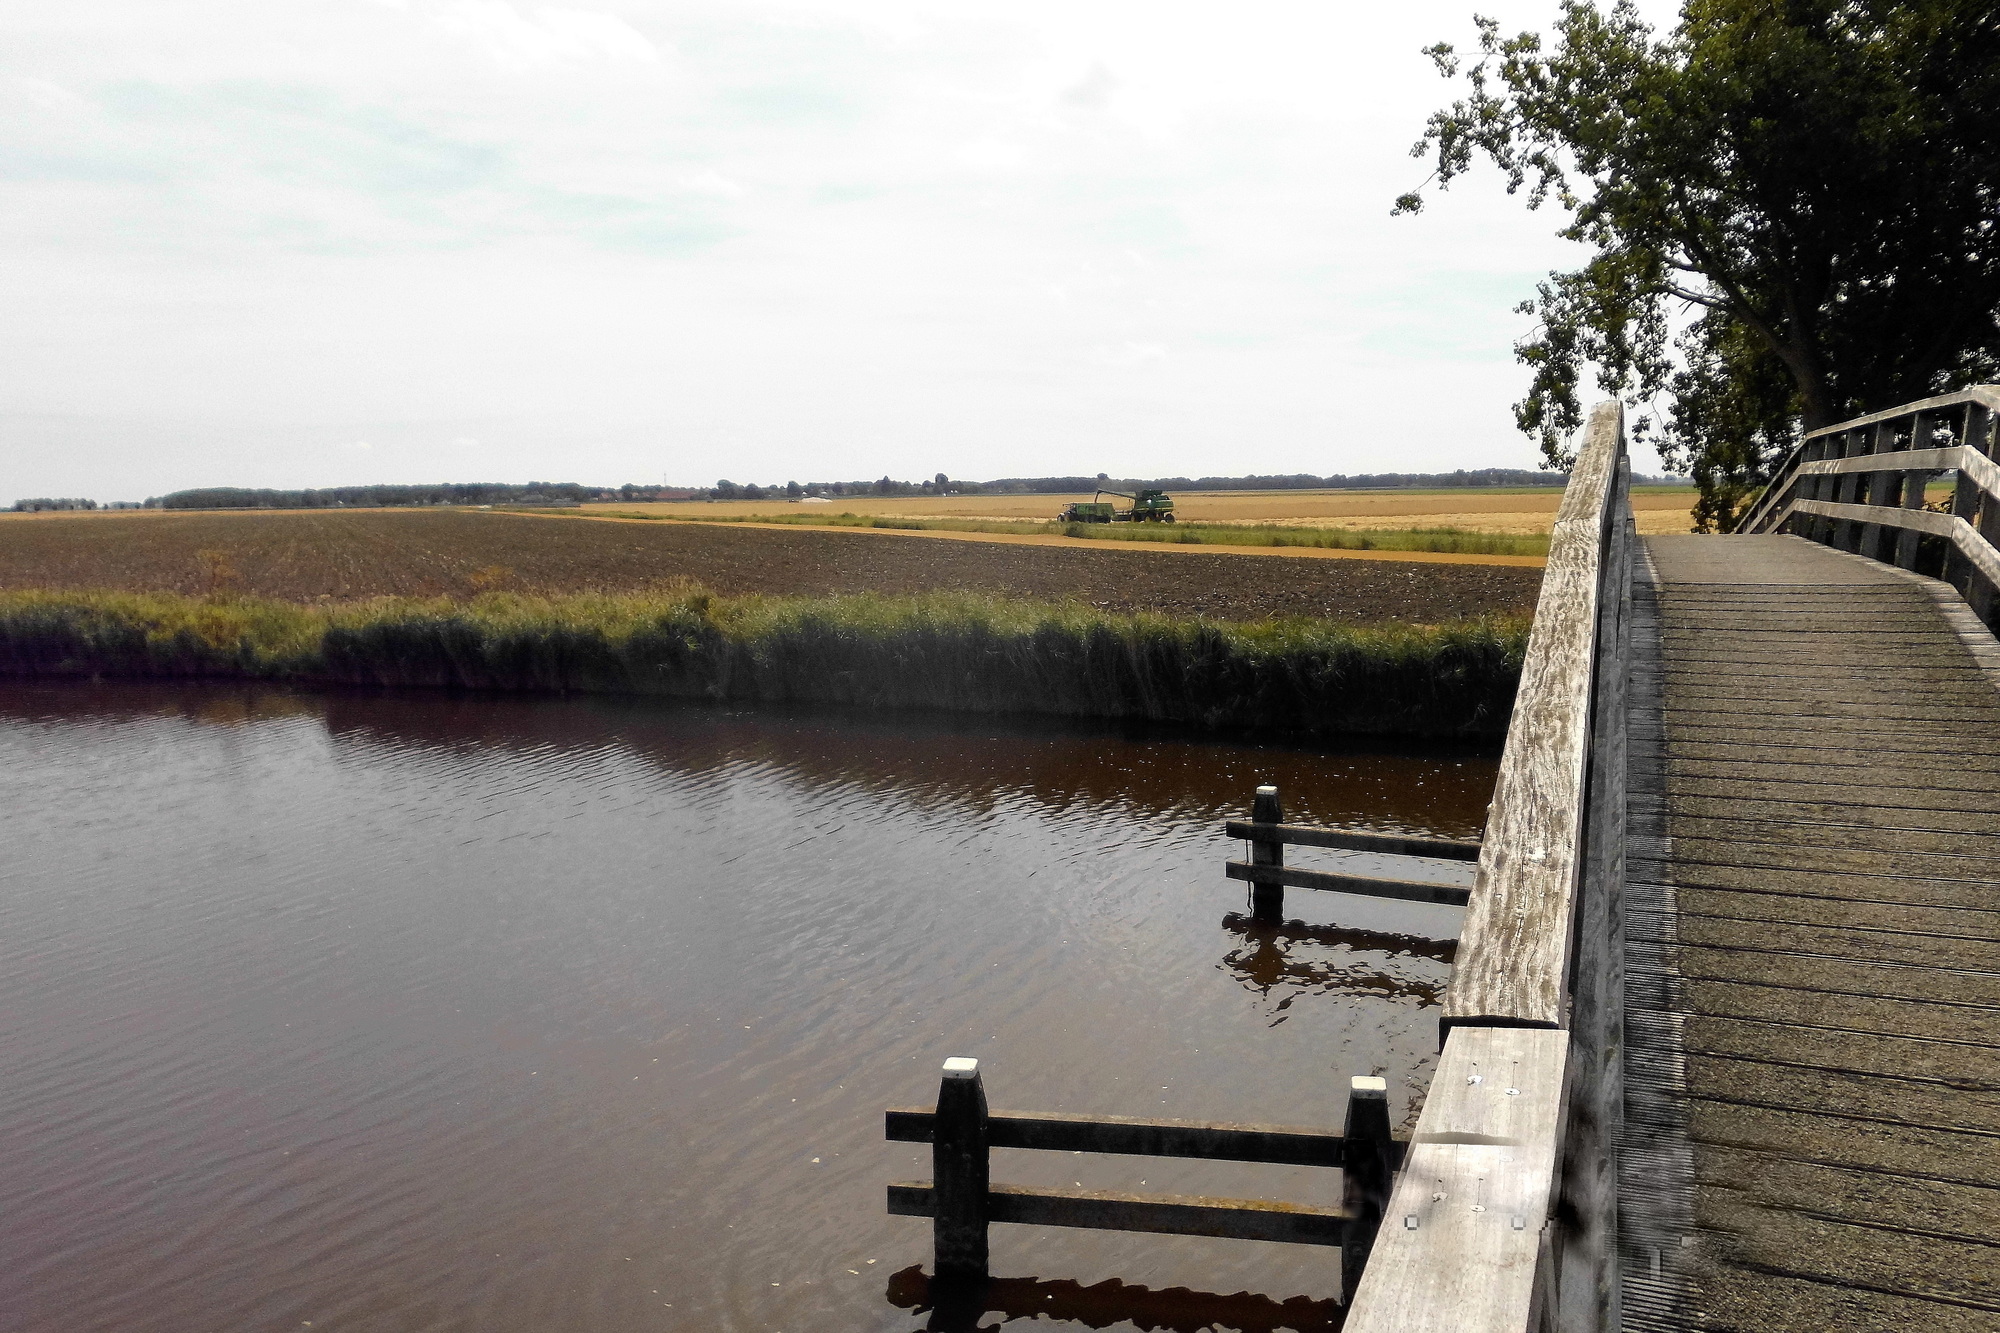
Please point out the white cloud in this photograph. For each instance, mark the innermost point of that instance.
(709, 181)
(513, 40)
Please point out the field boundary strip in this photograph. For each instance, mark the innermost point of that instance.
(1079, 543)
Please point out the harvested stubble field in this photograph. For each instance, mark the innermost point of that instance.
(317, 556)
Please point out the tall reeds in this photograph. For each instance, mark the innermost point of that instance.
(945, 651)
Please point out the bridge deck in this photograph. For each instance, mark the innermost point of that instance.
(1813, 946)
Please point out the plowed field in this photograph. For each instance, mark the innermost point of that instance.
(317, 555)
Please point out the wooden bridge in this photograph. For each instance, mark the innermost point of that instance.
(1721, 1046)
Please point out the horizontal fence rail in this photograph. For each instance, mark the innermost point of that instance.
(1332, 881)
(1137, 1137)
(1164, 1215)
(1863, 486)
(1352, 840)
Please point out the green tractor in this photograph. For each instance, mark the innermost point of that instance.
(1147, 507)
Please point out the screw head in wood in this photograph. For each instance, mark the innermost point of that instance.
(961, 1066)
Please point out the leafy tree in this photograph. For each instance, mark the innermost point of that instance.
(1794, 207)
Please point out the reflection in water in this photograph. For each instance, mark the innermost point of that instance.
(1285, 962)
(1106, 1304)
(397, 1012)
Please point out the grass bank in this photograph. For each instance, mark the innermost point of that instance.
(1447, 541)
(947, 651)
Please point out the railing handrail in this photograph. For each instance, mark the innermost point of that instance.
(1756, 518)
(1861, 486)
(1513, 955)
(1467, 1244)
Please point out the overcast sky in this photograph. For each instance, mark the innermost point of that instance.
(320, 242)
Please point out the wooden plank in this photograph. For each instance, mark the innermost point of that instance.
(1745, 1301)
(1894, 1101)
(1212, 1140)
(1461, 1241)
(1328, 881)
(1827, 910)
(1513, 958)
(1912, 950)
(1819, 784)
(1843, 839)
(1955, 1064)
(1938, 719)
(1830, 1249)
(1877, 1198)
(1767, 802)
(1156, 1214)
(1935, 1019)
(1839, 975)
(1754, 854)
(1738, 737)
(1971, 890)
(1354, 840)
(1969, 772)
(1807, 1135)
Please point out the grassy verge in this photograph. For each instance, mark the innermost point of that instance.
(949, 651)
(1452, 541)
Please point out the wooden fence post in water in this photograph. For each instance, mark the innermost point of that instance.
(1367, 1174)
(1267, 901)
(960, 1154)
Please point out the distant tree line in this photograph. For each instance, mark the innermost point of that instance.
(389, 497)
(1292, 481)
(569, 492)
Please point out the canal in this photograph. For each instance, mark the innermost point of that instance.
(416, 1011)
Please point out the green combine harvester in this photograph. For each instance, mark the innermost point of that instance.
(1147, 507)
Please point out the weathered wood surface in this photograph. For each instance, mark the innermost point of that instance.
(1514, 952)
(1813, 927)
(1160, 1214)
(1462, 1243)
(1353, 840)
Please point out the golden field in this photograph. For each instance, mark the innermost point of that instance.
(1657, 509)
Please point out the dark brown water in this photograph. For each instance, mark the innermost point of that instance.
(414, 1012)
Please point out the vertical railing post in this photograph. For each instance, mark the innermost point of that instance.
(1913, 493)
(1874, 489)
(960, 1151)
(1267, 901)
(1367, 1176)
(1847, 533)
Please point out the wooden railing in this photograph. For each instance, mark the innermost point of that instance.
(1521, 1121)
(1862, 486)
(963, 1202)
(1268, 835)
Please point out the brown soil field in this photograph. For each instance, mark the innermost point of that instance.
(1657, 509)
(306, 555)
